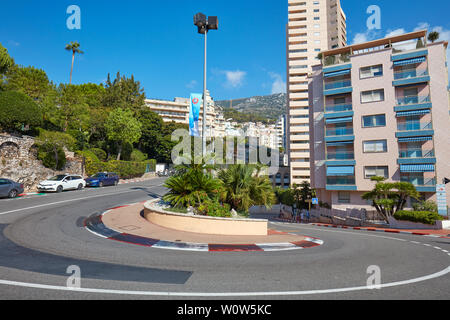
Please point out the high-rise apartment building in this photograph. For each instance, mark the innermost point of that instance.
(380, 108)
(314, 26)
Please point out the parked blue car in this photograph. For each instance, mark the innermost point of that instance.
(9, 188)
(102, 179)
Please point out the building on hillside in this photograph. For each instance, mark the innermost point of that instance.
(380, 108)
(313, 26)
(178, 111)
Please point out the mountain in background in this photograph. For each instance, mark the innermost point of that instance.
(254, 109)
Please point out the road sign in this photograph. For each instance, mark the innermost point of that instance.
(315, 201)
(441, 197)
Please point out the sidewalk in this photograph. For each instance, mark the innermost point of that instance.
(445, 233)
(129, 220)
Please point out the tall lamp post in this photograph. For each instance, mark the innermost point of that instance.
(204, 24)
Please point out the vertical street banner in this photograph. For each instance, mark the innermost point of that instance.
(194, 114)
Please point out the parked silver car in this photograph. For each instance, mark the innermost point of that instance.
(10, 189)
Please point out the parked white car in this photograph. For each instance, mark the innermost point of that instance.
(62, 183)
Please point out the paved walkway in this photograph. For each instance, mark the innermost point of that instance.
(445, 233)
(129, 220)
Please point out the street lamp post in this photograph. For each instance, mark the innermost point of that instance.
(204, 24)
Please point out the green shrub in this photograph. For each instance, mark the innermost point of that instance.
(428, 206)
(18, 110)
(99, 153)
(52, 156)
(214, 209)
(125, 169)
(138, 156)
(425, 217)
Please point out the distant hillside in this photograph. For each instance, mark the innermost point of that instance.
(258, 108)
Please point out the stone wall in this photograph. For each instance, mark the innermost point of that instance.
(18, 162)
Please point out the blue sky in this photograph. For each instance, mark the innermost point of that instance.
(158, 43)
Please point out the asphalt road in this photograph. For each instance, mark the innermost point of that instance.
(41, 236)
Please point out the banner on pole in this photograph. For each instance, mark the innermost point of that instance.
(194, 114)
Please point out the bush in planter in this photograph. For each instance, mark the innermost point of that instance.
(99, 153)
(425, 217)
(214, 209)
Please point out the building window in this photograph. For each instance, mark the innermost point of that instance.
(375, 146)
(370, 172)
(374, 121)
(343, 197)
(372, 96)
(372, 71)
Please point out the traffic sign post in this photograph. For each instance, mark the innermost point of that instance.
(441, 199)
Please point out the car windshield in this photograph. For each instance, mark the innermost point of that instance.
(57, 178)
(98, 175)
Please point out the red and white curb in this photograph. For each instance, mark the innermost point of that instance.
(373, 229)
(95, 225)
(134, 180)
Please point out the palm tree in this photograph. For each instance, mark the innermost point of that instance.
(75, 48)
(433, 36)
(191, 188)
(242, 187)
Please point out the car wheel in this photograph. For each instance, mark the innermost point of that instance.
(60, 189)
(80, 186)
(12, 194)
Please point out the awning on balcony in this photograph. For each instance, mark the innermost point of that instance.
(413, 113)
(340, 171)
(339, 120)
(417, 168)
(336, 73)
(415, 139)
(409, 61)
(338, 144)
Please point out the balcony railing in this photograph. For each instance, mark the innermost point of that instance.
(338, 84)
(410, 74)
(339, 132)
(341, 181)
(416, 153)
(407, 100)
(415, 126)
(338, 108)
(420, 182)
(340, 156)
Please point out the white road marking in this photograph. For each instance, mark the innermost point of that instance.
(71, 200)
(220, 294)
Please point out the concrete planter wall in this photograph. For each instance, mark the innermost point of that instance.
(204, 225)
(439, 225)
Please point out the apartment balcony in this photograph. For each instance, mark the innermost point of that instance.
(412, 103)
(336, 108)
(338, 132)
(341, 159)
(421, 184)
(416, 156)
(341, 184)
(337, 87)
(415, 129)
(410, 77)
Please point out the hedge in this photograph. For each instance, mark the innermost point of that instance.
(425, 217)
(125, 169)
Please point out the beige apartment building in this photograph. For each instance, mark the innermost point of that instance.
(314, 26)
(178, 111)
(380, 108)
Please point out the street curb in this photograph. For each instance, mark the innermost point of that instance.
(373, 229)
(95, 225)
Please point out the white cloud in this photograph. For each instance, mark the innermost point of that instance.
(235, 79)
(362, 37)
(278, 85)
(192, 84)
